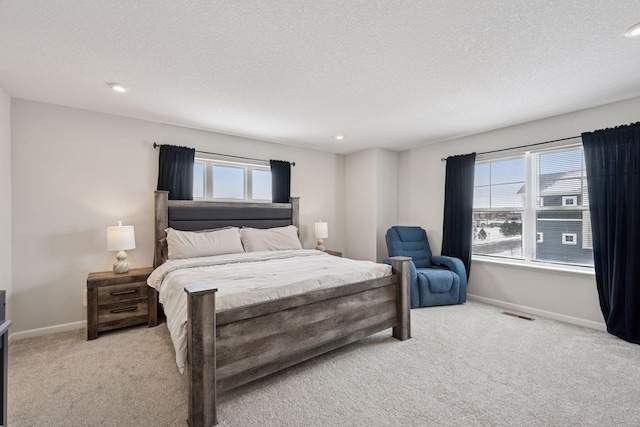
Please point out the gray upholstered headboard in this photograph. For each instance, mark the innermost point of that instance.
(191, 215)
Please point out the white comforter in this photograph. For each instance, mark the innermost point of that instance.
(249, 278)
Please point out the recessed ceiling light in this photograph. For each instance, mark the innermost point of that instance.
(339, 136)
(118, 87)
(633, 31)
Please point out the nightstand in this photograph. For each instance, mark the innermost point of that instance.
(118, 300)
(334, 253)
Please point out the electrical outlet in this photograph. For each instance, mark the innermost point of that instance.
(84, 298)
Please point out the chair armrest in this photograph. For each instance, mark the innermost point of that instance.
(453, 264)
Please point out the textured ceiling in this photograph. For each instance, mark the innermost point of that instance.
(394, 74)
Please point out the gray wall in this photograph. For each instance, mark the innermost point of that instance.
(360, 205)
(387, 198)
(5, 197)
(565, 296)
(75, 172)
(371, 202)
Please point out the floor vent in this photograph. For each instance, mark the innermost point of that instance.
(519, 316)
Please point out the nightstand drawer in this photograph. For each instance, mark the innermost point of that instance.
(127, 291)
(123, 310)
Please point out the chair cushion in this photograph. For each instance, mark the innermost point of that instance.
(411, 242)
(437, 280)
(437, 287)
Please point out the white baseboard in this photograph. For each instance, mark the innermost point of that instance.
(16, 336)
(542, 313)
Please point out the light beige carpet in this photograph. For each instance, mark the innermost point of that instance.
(467, 365)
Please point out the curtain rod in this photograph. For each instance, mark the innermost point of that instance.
(522, 146)
(156, 145)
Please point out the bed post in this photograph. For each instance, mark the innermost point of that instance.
(295, 211)
(161, 209)
(402, 268)
(201, 348)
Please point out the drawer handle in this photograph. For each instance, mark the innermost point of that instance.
(128, 291)
(125, 309)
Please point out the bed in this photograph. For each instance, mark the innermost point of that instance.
(230, 347)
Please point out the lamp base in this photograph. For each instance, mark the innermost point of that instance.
(122, 266)
(320, 246)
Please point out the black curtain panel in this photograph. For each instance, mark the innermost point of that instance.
(458, 208)
(612, 160)
(175, 171)
(280, 181)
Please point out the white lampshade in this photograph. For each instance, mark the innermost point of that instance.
(121, 237)
(320, 230)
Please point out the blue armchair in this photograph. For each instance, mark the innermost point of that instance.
(435, 280)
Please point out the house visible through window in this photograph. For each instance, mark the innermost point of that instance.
(231, 181)
(533, 207)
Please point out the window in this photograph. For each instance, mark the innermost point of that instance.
(261, 184)
(231, 181)
(533, 207)
(228, 182)
(198, 180)
(498, 207)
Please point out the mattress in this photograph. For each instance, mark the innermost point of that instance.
(250, 278)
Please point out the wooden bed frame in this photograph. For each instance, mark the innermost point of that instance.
(233, 347)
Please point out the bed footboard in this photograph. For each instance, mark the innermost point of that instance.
(234, 347)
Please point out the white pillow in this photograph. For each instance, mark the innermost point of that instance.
(191, 244)
(270, 239)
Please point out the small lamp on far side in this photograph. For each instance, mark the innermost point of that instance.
(121, 238)
(320, 231)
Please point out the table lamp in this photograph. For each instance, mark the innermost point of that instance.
(121, 238)
(320, 231)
